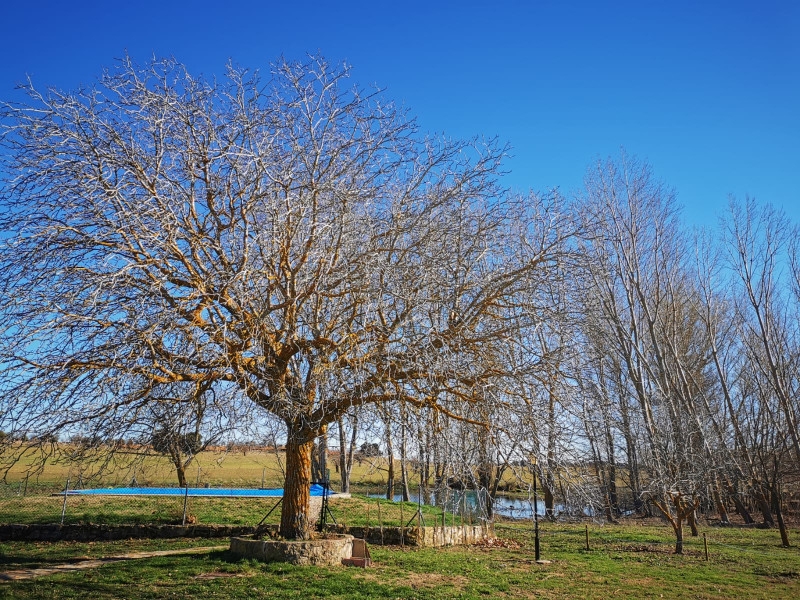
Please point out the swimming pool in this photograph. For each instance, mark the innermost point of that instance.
(316, 490)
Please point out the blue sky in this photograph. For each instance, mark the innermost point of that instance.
(707, 92)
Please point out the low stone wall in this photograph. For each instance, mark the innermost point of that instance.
(327, 551)
(87, 533)
(423, 537)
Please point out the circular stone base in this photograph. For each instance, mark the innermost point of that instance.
(329, 550)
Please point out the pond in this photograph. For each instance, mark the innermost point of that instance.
(514, 507)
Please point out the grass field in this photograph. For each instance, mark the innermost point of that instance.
(630, 561)
(239, 468)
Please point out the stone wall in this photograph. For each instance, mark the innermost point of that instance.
(86, 533)
(424, 537)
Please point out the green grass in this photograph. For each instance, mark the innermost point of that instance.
(629, 561)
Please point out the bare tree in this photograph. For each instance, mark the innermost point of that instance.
(645, 317)
(161, 229)
(756, 240)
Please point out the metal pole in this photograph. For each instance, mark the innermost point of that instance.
(185, 502)
(64, 506)
(535, 520)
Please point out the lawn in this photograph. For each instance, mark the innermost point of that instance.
(624, 561)
(633, 560)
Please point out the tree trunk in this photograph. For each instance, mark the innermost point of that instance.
(181, 470)
(776, 508)
(677, 525)
(390, 459)
(424, 440)
(692, 520)
(549, 501)
(319, 457)
(683, 509)
(344, 472)
(295, 520)
(720, 503)
(741, 509)
(406, 493)
(762, 496)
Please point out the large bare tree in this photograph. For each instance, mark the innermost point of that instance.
(159, 228)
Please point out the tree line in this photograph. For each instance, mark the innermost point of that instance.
(291, 255)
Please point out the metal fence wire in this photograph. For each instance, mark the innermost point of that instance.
(49, 504)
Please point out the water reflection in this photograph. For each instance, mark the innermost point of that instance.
(472, 502)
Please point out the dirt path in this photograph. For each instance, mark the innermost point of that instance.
(97, 562)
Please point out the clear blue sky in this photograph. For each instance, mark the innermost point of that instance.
(707, 92)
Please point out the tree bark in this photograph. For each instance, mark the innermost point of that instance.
(390, 455)
(677, 525)
(344, 465)
(406, 493)
(181, 471)
(319, 457)
(719, 502)
(692, 520)
(295, 519)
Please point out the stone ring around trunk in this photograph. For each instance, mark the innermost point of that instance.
(324, 551)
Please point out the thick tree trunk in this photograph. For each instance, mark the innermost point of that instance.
(295, 519)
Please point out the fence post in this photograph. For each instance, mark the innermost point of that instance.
(380, 521)
(64, 505)
(402, 529)
(705, 545)
(587, 538)
(185, 502)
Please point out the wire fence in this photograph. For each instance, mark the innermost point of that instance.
(711, 543)
(48, 504)
(31, 502)
(40, 504)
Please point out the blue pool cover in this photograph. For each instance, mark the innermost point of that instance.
(316, 490)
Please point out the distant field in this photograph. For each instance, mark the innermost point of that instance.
(219, 468)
